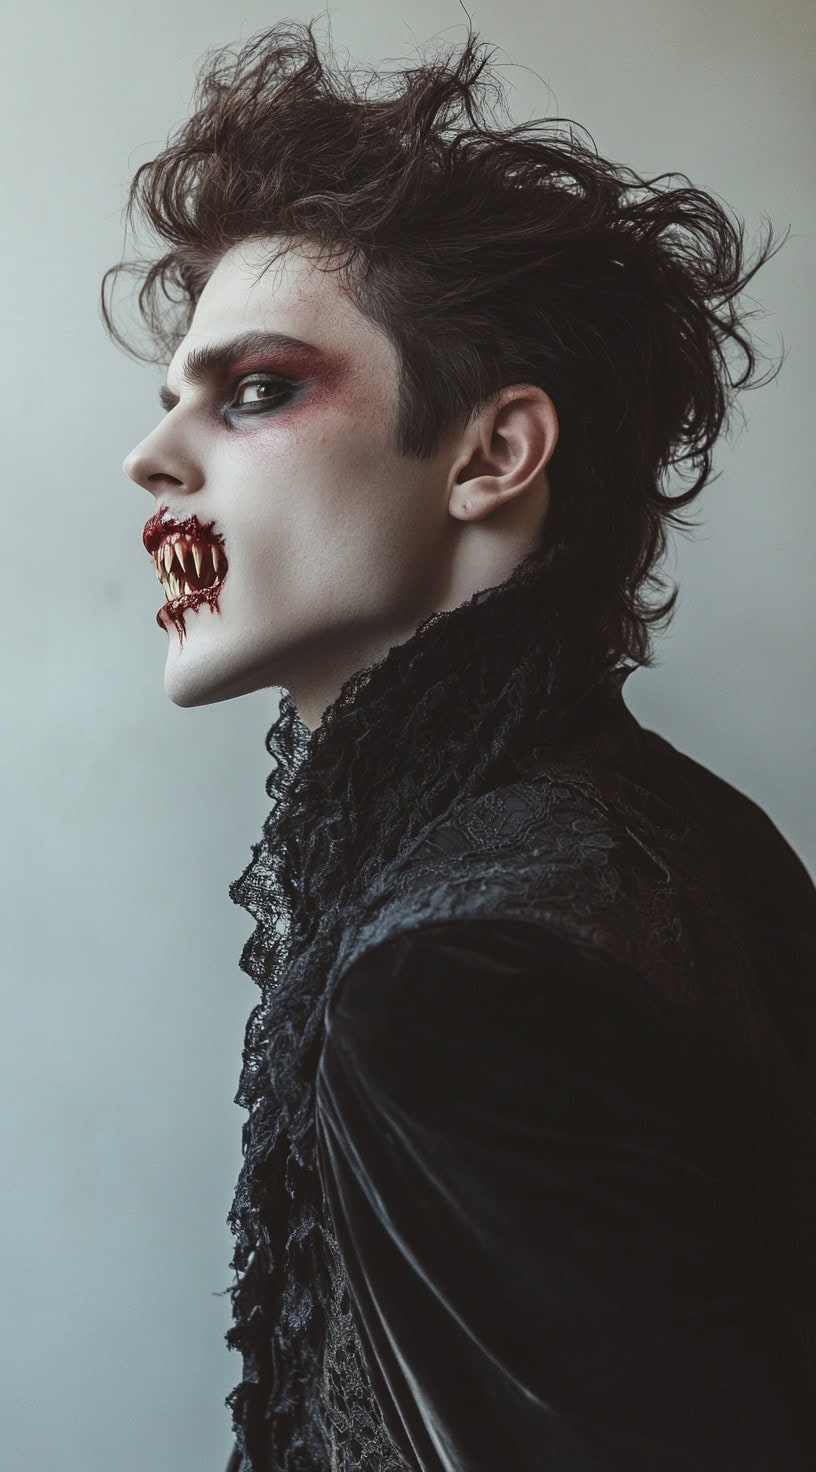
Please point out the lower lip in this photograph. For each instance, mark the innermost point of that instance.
(173, 609)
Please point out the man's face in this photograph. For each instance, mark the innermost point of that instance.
(323, 545)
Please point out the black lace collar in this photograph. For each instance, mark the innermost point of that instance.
(475, 690)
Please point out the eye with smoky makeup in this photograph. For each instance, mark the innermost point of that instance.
(278, 390)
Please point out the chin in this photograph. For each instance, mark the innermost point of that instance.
(203, 672)
(183, 694)
(190, 692)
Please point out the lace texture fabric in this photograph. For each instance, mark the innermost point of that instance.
(357, 1436)
(486, 767)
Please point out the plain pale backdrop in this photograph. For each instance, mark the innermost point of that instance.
(125, 817)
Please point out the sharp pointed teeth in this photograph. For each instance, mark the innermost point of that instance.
(187, 587)
(179, 545)
(197, 558)
(166, 553)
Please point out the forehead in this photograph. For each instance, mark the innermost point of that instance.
(270, 285)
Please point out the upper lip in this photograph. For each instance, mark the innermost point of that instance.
(160, 526)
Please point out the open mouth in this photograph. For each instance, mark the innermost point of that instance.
(189, 562)
(189, 567)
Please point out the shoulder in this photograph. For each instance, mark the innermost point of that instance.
(556, 851)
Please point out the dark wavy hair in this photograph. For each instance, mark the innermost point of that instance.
(488, 256)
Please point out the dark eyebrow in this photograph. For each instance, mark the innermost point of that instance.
(201, 362)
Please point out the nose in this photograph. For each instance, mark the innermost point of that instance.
(160, 465)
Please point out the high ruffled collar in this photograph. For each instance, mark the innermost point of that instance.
(502, 676)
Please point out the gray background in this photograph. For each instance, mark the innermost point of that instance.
(123, 1007)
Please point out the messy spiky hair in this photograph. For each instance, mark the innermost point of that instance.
(489, 256)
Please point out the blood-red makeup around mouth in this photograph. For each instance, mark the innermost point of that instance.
(157, 530)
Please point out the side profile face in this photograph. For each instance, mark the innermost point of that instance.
(305, 545)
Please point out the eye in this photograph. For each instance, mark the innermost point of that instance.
(271, 391)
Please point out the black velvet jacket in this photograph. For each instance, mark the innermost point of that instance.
(530, 1165)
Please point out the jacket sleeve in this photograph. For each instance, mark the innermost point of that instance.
(544, 1258)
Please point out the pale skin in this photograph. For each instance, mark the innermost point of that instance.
(337, 546)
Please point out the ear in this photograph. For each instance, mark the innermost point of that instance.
(504, 453)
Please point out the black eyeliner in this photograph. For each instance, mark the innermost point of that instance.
(285, 387)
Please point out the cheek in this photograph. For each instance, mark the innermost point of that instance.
(319, 480)
(320, 504)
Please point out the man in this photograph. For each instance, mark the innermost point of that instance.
(529, 1171)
